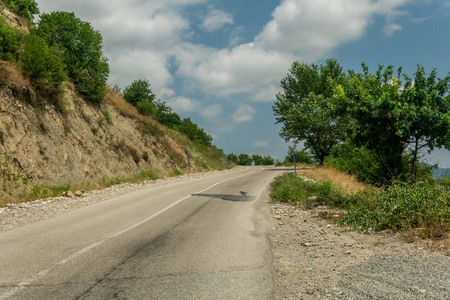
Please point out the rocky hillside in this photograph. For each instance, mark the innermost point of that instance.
(69, 140)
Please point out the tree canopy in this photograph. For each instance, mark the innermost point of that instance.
(138, 91)
(81, 47)
(304, 106)
(385, 118)
(394, 114)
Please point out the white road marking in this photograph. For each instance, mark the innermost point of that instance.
(25, 283)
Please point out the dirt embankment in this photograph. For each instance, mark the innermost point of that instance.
(72, 141)
(314, 259)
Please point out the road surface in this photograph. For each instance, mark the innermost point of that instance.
(201, 239)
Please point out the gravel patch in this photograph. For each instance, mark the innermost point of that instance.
(18, 215)
(315, 259)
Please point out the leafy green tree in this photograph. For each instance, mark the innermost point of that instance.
(391, 117)
(42, 64)
(268, 160)
(165, 114)
(10, 41)
(302, 156)
(138, 91)
(233, 158)
(304, 106)
(194, 132)
(257, 159)
(146, 108)
(24, 8)
(81, 46)
(245, 159)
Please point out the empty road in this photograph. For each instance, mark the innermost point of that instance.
(199, 239)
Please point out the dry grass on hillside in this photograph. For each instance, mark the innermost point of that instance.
(10, 72)
(342, 179)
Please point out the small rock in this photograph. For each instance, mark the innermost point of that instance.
(348, 252)
(69, 194)
(78, 193)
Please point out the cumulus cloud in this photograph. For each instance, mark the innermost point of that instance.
(314, 28)
(216, 19)
(244, 113)
(183, 105)
(211, 112)
(260, 144)
(243, 69)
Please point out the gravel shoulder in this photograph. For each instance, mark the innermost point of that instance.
(315, 259)
(18, 215)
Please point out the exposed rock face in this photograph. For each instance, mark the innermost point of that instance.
(73, 142)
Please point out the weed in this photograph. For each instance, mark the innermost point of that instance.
(175, 172)
(107, 116)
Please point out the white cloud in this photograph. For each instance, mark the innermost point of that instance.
(211, 112)
(243, 69)
(260, 144)
(183, 105)
(314, 28)
(216, 19)
(266, 94)
(390, 29)
(244, 113)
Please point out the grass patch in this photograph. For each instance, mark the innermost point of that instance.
(307, 192)
(175, 172)
(138, 177)
(420, 208)
(400, 208)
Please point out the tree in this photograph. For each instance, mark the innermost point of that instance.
(194, 132)
(391, 117)
(245, 159)
(42, 64)
(257, 159)
(82, 52)
(165, 114)
(25, 8)
(304, 106)
(302, 156)
(138, 91)
(268, 160)
(10, 41)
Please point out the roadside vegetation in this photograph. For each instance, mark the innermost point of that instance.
(370, 127)
(59, 47)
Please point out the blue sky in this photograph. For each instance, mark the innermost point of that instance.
(220, 62)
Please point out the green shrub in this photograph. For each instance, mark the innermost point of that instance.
(400, 207)
(107, 116)
(42, 65)
(24, 8)
(10, 41)
(293, 188)
(357, 161)
(146, 108)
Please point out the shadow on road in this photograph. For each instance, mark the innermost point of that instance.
(243, 197)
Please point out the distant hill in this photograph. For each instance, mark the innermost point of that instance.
(441, 172)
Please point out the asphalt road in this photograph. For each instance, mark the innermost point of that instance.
(201, 239)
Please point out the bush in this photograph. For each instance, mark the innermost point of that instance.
(42, 64)
(138, 91)
(307, 192)
(146, 108)
(401, 207)
(10, 41)
(24, 8)
(107, 116)
(357, 161)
